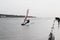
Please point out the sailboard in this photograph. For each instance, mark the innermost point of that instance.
(25, 19)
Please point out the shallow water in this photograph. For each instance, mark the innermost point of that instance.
(37, 29)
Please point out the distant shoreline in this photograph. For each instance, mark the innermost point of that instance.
(14, 16)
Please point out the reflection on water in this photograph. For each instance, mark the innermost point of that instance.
(37, 29)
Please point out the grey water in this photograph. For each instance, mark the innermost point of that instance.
(37, 29)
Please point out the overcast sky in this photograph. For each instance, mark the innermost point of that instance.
(39, 8)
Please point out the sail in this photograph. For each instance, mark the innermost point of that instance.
(26, 15)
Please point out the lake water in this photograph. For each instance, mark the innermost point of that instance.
(37, 29)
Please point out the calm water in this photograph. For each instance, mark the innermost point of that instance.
(37, 29)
